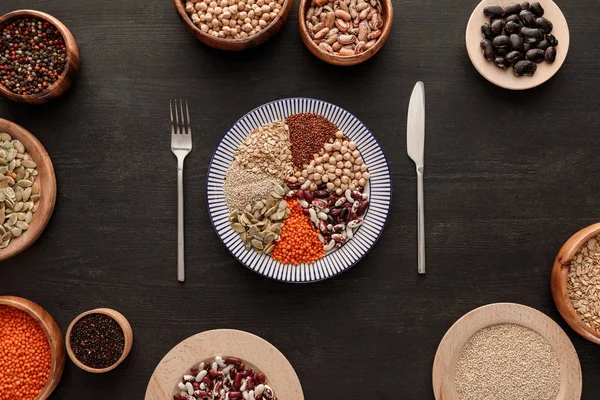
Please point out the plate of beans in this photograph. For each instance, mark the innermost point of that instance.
(299, 190)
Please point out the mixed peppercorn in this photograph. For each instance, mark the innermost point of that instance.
(33, 56)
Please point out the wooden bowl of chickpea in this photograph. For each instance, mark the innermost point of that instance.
(233, 24)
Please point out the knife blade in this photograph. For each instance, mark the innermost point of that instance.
(415, 146)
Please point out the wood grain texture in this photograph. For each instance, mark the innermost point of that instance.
(64, 82)
(46, 181)
(560, 273)
(53, 333)
(509, 177)
(449, 350)
(505, 77)
(234, 44)
(255, 352)
(345, 61)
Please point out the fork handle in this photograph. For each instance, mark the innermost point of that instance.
(180, 237)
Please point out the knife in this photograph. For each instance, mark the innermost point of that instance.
(415, 144)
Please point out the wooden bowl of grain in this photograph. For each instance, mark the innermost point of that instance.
(335, 59)
(47, 189)
(268, 32)
(53, 333)
(566, 287)
(59, 87)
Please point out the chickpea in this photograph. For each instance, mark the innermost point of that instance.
(218, 10)
(313, 187)
(312, 163)
(339, 158)
(266, 17)
(356, 168)
(337, 182)
(318, 182)
(362, 182)
(243, 15)
(189, 7)
(310, 177)
(215, 23)
(331, 176)
(325, 157)
(331, 168)
(359, 161)
(330, 186)
(340, 165)
(347, 172)
(317, 176)
(344, 187)
(325, 178)
(352, 186)
(337, 146)
(247, 20)
(347, 156)
(272, 5)
(210, 10)
(298, 174)
(366, 176)
(343, 150)
(363, 167)
(352, 145)
(357, 175)
(241, 5)
(310, 169)
(292, 179)
(305, 173)
(204, 27)
(328, 147)
(339, 134)
(200, 6)
(338, 172)
(250, 14)
(348, 165)
(260, 3)
(345, 179)
(301, 179)
(319, 161)
(339, 191)
(319, 169)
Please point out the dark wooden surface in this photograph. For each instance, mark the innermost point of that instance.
(509, 177)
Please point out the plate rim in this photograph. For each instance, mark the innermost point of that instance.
(387, 165)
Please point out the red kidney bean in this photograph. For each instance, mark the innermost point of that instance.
(195, 371)
(237, 381)
(300, 194)
(290, 185)
(308, 196)
(356, 195)
(232, 373)
(321, 193)
(335, 212)
(319, 203)
(344, 214)
(362, 208)
(212, 373)
(247, 372)
(208, 382)
(249, 383)
(261, 377)
(196, 385)
(236, 395)
(331, 201)
(242, 366)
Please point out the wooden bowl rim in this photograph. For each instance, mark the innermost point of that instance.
(127, 333)
(345, 60)
(41, 157)
(560, 292)
(486, 316)
(509, 80)
(49, 325)
(70, 44)
(187, 20)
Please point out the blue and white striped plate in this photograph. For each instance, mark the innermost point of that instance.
(365, 237)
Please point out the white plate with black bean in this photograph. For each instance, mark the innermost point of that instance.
(299, 190)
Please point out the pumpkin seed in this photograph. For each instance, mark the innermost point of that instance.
(269, 248)
(12, 219)
(238, 227)
(5, 244)
(36, 197)
(257, 244)
(5, 137)
(25, 183)
(28, 216)
(22, 225)
(26, 194)
(19, 206)
(18, 146)
(28, 164)
(279, 190)
(16, 232)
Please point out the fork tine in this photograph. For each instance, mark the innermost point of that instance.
(177, 131)
(187, 110)
(172, 123)
(183, 121)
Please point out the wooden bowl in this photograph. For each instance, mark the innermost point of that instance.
(47, 181)
(127, 331)
(59, 87)
(449, 350)
(560, 271)
(234, 44)
(505, 78)
(254, 351)
(53, 333)
(388, 19)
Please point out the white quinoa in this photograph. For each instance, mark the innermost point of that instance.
(242, 186)
(507, 362)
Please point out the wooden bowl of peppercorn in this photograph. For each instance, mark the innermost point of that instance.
(53, 333)
(102, 328)
(52, 78)
(274, 25)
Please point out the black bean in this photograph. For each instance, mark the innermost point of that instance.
(525, 5)
(527, 47)
(501, 41)
(494, 11)
(550, 55)
(501, 62)
(525, 67)
(527, 18)
(501, 52)
(486, 31)
(488, 50)
(532, 35)
(516, 42)
(513, 18)
(497, 26)
(542, 45)
(552, 40)
(512, 27)
(544, 24)
(514, 57)
(535, 55)
(537, 9)
(513, 8)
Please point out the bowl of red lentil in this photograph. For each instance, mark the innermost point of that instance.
(31, 345)
(97, 341)
(214, 22)
(39, 57)
(575, 276)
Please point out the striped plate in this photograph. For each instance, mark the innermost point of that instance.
(337, 261)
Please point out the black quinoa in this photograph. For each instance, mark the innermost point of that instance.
(97, 340)
(33, 56)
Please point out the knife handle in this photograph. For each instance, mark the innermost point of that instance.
(421, 220)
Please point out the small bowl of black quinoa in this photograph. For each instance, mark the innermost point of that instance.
(99, 340)
(38, 57)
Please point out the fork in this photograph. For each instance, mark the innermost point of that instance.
(181, 145)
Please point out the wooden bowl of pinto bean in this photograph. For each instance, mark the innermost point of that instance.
(54, 335)
(345, 32)
(273, 27)
(71, 66)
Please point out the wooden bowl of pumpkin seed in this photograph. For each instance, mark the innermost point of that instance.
(27, 189)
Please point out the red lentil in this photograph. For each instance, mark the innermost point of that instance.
(25, 356)
(308, 134)
(299, 242)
